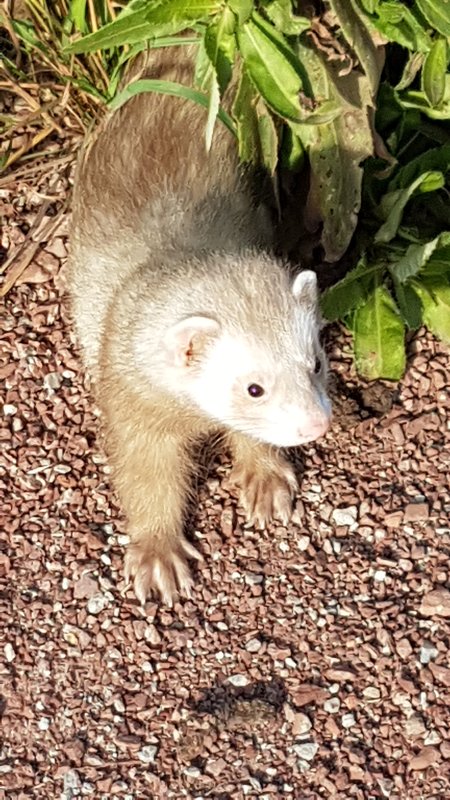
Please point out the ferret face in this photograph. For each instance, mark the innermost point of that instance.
(269, 384)
(250, 389)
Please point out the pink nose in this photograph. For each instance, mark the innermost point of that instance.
(315, 428)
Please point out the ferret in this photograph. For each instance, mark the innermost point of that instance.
(188, 324)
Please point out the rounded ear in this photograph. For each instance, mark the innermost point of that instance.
(186, 340)
(305, 289)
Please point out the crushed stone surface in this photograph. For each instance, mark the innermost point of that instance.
(312, 661)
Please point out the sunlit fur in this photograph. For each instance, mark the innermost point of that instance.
(163, 232)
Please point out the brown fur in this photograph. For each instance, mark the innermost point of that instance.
(151, 212)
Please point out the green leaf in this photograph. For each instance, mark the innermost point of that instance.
(379, 334)
(129, 53)
(350, 292)
(418, 100)
(280, 12)
(78, 14)
(359, 39)
(242, 8)
(220, 45)
(434, 159)
(292, 151)
(258, 140)
(435, 297)
(147, 22)
(409, 304)
(336, 150)
(268, 137)
(414, 260)
(433, 73)
(268, 62)
(410, 70)
(206, 80)
(393, 203)
(437, 12)
(171, 88)
(395, 21)
(246, 120)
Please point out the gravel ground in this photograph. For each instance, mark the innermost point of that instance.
(312, 661)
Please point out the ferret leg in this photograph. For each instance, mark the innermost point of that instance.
(152, 476)
(265, 478)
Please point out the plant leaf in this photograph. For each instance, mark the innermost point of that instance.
(433, 73)
(242, 9)
(379, 333)
(336, 150)
(269, 64)
(280, 12)
(395, 21)
(415, 258)
(435, 297)
(147, 22)
(78, 14)
(172, 88)
(359, 39)
(409, 304)
(393, 203)
(268, 138)
(437, 12)
(206, 80)
(220, 45)
(246, 121)
(350, 292)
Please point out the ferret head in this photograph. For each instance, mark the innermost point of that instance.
(256, 365)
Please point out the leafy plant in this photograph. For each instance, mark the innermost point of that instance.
(357, 90)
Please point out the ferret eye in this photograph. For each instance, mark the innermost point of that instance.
(255, 390)
(317, 366)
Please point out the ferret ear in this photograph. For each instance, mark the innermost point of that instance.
(305, 288)
(186, 341)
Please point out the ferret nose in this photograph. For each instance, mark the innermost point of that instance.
(317, 426)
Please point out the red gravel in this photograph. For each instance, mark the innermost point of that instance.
(312, 662)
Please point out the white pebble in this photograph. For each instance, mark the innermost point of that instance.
(97, 603)
(192, 772)
(428, 652)
(380, 575)
(71, 780)
(345, 517)
(348, 720)
(9, 410)
(9, 652)
(148, 753)
(306, 750)
(303, 543)
(253, 645)
(332, 705)
(238, 680)
(44, 724)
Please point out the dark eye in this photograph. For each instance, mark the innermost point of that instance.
(317, 366)
(255, 390)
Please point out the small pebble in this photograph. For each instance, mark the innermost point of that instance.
(348, 720)
(253, 645)
(345, 517)
(238, 680)
(332, 705)
(428, 653)
(97, 603)
(147, 754)
(9, 652)
(306, 750)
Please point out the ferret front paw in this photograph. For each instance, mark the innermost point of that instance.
(160, 569)
(266, 491)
